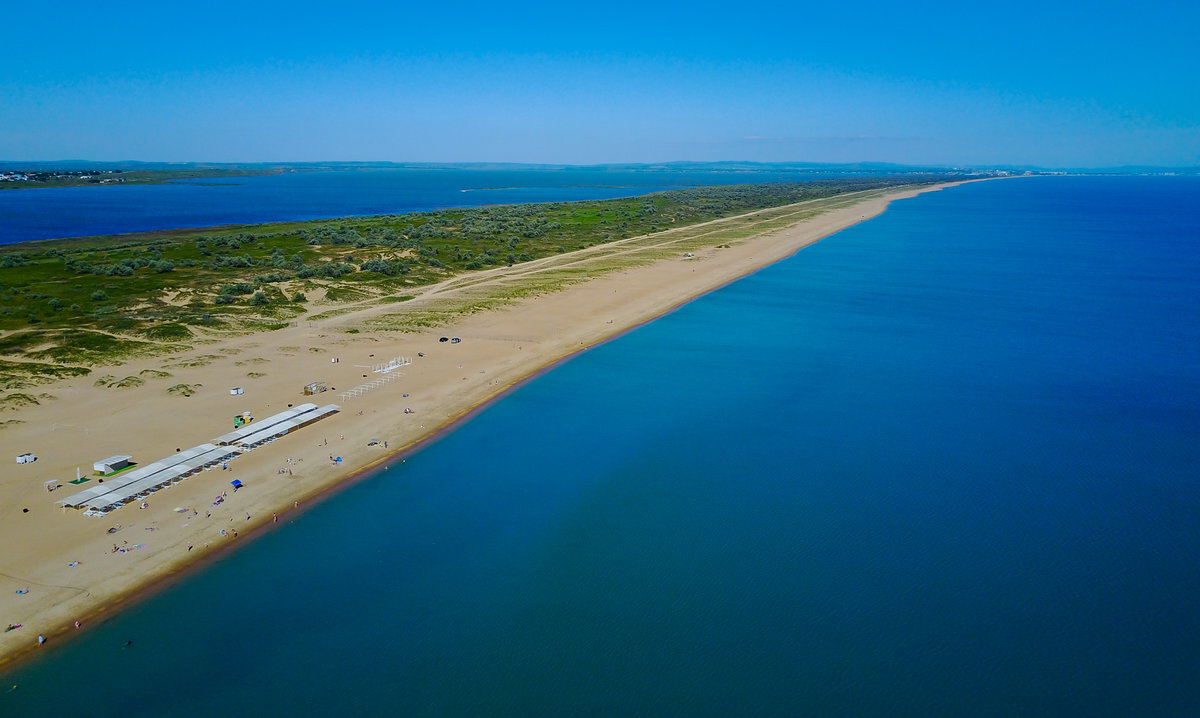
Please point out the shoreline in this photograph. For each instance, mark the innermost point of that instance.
(153, 571)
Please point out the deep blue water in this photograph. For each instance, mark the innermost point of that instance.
(941, 463)
(84, 211)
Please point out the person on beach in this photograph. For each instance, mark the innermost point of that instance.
(41, 639)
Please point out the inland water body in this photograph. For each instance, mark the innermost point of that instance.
(942, 463)
(29, 214)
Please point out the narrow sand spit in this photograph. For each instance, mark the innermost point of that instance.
(75, 570)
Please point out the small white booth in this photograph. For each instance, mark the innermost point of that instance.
(111, 464)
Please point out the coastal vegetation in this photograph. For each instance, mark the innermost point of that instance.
(74, 303)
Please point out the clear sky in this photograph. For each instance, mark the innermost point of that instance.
(955, 83)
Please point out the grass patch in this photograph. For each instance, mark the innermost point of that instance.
(155, 374)
(13, 402)
(20, 342)
(168, 333)
(338, 295)
(202, 360)
(184, 389)
(21, 375)
(329, 314)
(78, 346)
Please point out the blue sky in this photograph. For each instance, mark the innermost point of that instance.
(1056, 85)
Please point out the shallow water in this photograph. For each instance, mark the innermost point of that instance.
(941, 463)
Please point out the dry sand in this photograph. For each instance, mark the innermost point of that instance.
(66, 559)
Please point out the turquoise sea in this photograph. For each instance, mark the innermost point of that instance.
(943, 463)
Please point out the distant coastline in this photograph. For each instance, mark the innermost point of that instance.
(17, 178)
(79, 173)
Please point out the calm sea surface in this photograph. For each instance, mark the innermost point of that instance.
(942, 463)
(83, 211)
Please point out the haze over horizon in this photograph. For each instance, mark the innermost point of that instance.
(937, 84)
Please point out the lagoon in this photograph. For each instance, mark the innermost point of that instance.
(30, 214)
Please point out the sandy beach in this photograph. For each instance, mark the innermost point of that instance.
(60, 569)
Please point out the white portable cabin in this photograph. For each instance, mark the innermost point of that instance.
(111, 464)
(26, 458)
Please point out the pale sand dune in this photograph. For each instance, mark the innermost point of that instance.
(85, 423)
